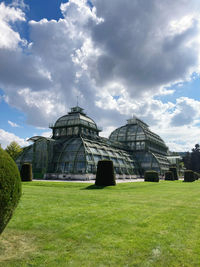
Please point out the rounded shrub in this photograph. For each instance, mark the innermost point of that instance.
(10, 188)
(151, 176)
(189, 176)
(169, 176)
(174, 170)
(26, 172)
(105, 175)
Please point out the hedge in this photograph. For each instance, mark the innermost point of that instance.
(151, 176)
(10, 188)
(189, 176)
(196, 175)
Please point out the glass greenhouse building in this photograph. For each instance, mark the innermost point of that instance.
(75, 148)
(147, 147)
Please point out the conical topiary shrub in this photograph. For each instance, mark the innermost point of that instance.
(169, 176)
(26, 172)
(105, 173)
(174, 170)
(10, 188)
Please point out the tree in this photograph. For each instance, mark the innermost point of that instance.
(192, 160)
(13, 149)
(186, 160)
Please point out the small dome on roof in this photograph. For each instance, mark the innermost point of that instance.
(135, 130)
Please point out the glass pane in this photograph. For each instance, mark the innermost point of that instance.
(80, 167)
(63, 131)
(69, 131)
(57, 132)
(97, 158)
(76, 130)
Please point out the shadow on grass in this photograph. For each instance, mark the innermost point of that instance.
(90, 187)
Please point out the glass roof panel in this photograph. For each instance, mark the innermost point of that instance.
(134, 132)
(75, 117)
(86, 119)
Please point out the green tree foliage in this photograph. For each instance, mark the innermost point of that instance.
(10, 188)
(13, 149)
(186, 160)
(192, 160)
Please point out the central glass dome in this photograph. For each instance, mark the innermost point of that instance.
(75, 122)
(76, 116)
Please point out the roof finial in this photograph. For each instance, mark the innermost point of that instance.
(77, 100)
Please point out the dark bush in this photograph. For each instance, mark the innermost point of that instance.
(105, 173)
(10, 188)
(196, 175)
(189, 176)
(26, 172)
(169, 176)
(151, 176)
(174, 170)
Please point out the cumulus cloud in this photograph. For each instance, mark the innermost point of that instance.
(19, 4)
(186, 113)
(182, 138)
(6, 138)
(115, 55)
(145, 46)
(47, 134)
(18, 67)
(9, 38)
(178, 123)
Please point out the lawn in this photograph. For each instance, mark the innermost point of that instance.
(131, 224)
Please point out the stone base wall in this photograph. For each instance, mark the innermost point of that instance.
(85, 177)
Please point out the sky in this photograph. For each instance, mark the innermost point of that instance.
(119, 58)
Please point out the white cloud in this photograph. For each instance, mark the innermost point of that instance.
(47, 134)
(107, 131)
(186, 113)
(9, 38)
(180, 138)
(139, 48)
(177, 124)
(78, 13)
(6, 138)
(13, 124)
(20, 4)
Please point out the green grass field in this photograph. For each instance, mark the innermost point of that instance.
(131, 224)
